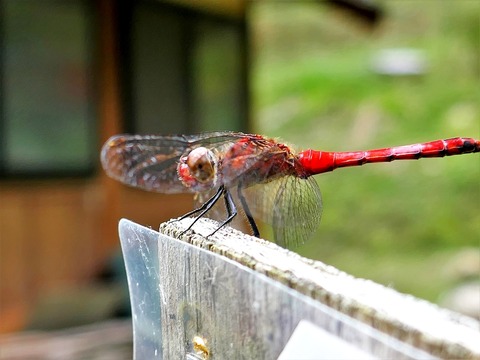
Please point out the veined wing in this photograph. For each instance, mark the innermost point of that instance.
(150, 162)
(291, 205)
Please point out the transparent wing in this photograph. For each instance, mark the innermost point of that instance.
(296, 214)
(291, 205)
(150, 162)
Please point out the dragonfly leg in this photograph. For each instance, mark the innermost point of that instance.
(207, 205)
(248, 214)
(231, 210)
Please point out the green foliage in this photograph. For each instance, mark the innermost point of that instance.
(314, 87)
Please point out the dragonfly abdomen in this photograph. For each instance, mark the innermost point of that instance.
(317, 162)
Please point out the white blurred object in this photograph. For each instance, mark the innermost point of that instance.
(400, 62)
(464, 299)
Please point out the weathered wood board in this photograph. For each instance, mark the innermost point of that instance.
(245, 297)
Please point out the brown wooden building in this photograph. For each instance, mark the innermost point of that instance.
(73, 74)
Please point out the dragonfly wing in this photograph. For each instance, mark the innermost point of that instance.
(150, 162)
(291, 205)
(146, 162)
(297, 213)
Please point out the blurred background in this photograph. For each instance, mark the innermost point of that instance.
(331, 75)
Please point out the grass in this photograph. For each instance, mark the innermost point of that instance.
(396, 223)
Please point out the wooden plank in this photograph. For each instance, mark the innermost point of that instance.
(110, 114)
(235, 296)
(14, 277)
(107, 340)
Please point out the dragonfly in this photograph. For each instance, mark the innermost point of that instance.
(262, 177)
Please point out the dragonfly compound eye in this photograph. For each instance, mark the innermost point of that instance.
(201, 163)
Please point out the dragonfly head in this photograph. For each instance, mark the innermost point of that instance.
(198, 169)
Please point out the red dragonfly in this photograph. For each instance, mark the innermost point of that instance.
(265, 177)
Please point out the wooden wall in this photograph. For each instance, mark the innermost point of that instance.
(59, 234)
(48, 239)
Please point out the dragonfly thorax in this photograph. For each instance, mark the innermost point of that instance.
(198, 169)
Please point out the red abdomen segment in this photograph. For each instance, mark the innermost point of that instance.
(317, 162)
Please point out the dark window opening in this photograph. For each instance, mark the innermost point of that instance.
(182, 71)
(47, 117)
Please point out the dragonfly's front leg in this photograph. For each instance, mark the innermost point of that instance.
(231, 210)
(207, 205)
